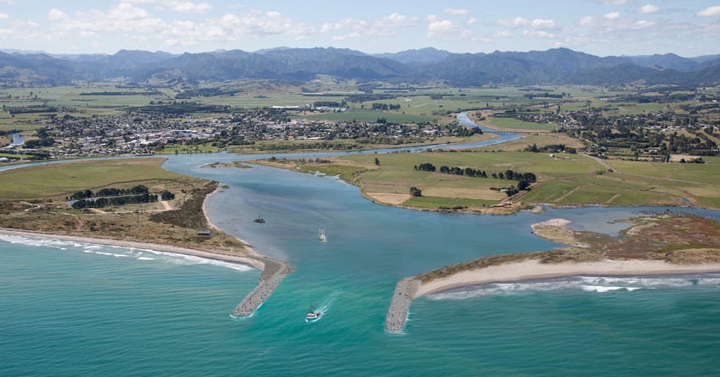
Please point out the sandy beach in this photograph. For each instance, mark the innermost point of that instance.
(533, 269)
(249, 261)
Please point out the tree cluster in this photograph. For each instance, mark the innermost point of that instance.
(551, 148)
(116, 197)
(384, 106)
(524, 179)
(114, 201)
(86, 194)
(470, 172)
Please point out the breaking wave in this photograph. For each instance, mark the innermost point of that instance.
(597, 284)
(119, 252)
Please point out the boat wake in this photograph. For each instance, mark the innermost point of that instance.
(321, 309)
(583, 283)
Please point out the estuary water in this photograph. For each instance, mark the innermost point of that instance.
(70, 309)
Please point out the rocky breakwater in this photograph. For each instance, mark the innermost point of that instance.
(400, 306)
(273, 272)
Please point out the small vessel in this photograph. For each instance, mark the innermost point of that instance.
(312, 316)
(321, 235)
(259, 220)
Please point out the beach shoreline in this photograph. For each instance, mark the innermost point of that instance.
(244, 260)
(273, 271)
(533, 269)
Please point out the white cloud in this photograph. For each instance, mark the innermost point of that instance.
(612, 16)
(353, 28)
(175, 5)
(350, 26)
(542, 24)
(519, 22)
(514, 22)
(587, 21)
(57, 15)
(137, 22)
(389, 24)
(4, 16)
(438, 26)
(186, 6)
(614, 2)
(127, 12)
(472, 21)
(456, 12)
(539, 34)
(504, 34)
(642, 24)
(649, 9)
(713, 11)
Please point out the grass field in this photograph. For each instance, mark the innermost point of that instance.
(564, 180)
(541, 139)
(33, 198)
(59, 180)
(514, 124)
(369, 116)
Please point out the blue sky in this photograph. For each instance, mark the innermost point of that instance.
(599, 27)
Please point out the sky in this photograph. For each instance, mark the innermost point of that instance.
(599, 27)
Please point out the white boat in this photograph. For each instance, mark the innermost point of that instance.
(312, 316)
(321, 235)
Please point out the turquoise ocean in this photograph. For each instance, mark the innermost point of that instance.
(72, 309)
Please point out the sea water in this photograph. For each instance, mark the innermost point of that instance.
(73, 309)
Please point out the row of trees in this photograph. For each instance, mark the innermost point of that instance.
(384, 106)
(115, 201)
(553, 148)
(86, 194)
(470, 172)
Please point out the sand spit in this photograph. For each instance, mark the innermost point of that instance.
(411, 288)
(534, 269)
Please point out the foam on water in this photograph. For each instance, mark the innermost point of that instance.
(603, 289)
(597, 284)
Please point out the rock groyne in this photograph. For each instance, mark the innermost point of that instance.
(273, 272)
(400, 306)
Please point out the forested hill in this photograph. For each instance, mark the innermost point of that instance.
(555, 66)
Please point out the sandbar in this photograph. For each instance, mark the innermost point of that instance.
(534, 269)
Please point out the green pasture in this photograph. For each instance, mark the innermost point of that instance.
(702, 173)
(540, 139)
(369, 116)
(430, 202)
(639, 108)
(513, 123)
(517, 161)
(565, 179)
(52, 180)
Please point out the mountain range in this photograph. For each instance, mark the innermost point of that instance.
(555, 66)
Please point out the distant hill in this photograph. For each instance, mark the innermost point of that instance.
(553, 66)
(420, 57)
